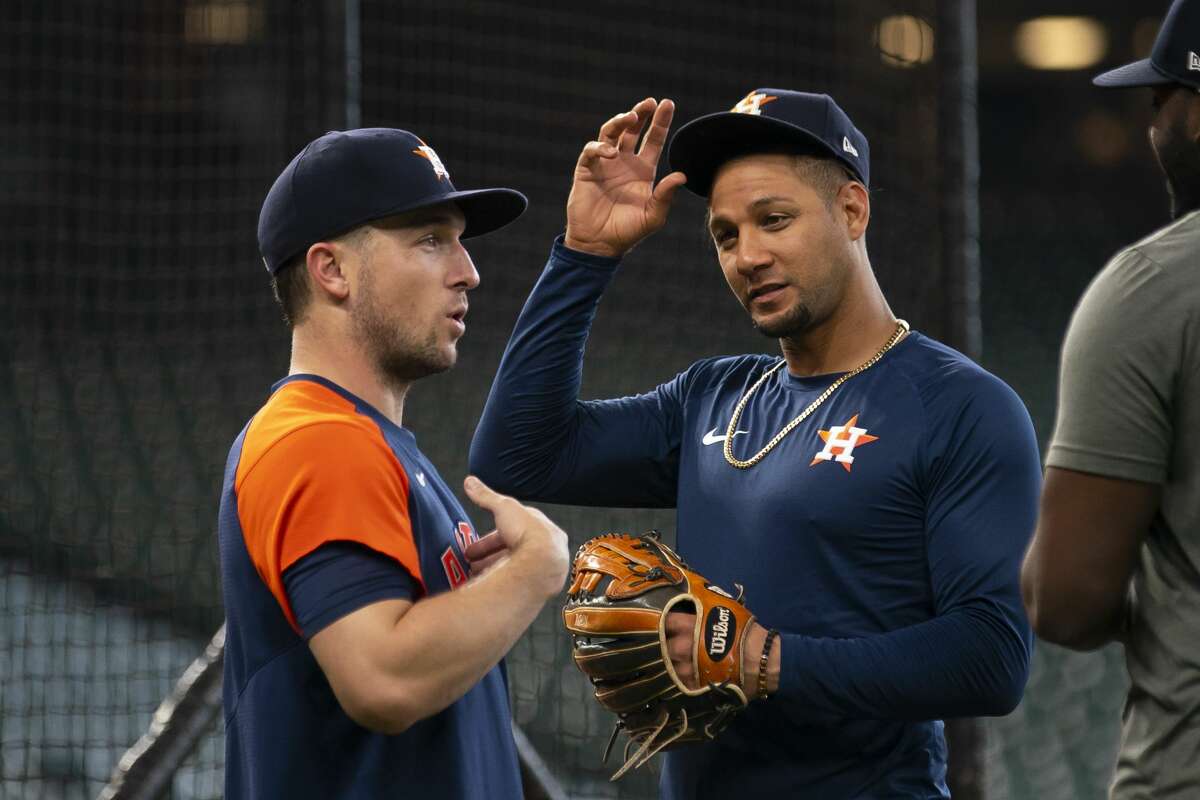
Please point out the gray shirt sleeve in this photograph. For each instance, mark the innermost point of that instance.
(1120, 361)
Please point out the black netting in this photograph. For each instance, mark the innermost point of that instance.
(139, 333)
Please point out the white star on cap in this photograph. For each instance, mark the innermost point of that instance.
(439, 169)
(753, 103)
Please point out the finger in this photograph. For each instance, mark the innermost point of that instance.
(664, 196)
(595, 150)
(483, 565)
(686, 673)
(680, 623)
(645, 112)
(656, 135)
(484, 547)
(610, 132)
(483, 495)
(680, 649)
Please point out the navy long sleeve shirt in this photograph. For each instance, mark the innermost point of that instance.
(882, 537)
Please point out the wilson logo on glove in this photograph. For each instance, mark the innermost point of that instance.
(722, 628)
(622, 588)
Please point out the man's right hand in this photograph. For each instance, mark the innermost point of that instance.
(614, 203)
(534, 544)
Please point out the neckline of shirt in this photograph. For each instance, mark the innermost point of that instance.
(360, 405)
(808, 383)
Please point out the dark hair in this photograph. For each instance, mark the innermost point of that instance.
(291, 284)
(826, 175)
(292, 289)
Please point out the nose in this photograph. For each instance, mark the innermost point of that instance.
(464, 275)
(751, 255)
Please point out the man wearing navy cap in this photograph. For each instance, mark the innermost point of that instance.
(351, 668)
(872, 489)
(1116, 556)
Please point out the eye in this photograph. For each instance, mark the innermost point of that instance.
(723, 237)
(775, 220)
(430, 240)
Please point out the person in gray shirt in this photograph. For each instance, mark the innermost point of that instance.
(1116, 553)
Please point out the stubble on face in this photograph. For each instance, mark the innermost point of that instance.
(401, 355)
(794, 322)
(1176, 149)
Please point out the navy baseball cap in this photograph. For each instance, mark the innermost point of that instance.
(766, 120)
(1175, 57)
(346, 178)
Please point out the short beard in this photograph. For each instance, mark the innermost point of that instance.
(797, 320)
(1183, 185)
(398, 358)
(1179, 159)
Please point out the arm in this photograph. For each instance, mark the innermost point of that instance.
(394, 662)
(1075, 579)
(1109, 454)
(535, 438)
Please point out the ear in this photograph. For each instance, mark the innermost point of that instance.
(326, 262)
(855, 205)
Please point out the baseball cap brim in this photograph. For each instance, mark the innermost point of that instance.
(700, 147)
(1139, 73)
(486, 210)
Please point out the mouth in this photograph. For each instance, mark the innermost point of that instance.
(457, 316)
(766, 293)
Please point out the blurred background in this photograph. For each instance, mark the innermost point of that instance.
(137, 331)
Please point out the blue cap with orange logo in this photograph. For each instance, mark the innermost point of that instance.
(1175, 57)
(769, 120)
(346, 178)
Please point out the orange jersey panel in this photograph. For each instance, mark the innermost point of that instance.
(313, 470)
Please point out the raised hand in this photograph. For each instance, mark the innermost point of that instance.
(614, 203)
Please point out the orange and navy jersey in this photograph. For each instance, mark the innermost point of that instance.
(317, 467)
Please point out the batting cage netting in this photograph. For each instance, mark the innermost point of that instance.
(139, 332)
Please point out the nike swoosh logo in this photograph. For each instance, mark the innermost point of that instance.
(712, 438)
(421, 478)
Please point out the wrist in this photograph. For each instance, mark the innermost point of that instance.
(590, 248)
(544, 566)
(752, 664)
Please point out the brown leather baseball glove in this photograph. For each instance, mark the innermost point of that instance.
(622, 588)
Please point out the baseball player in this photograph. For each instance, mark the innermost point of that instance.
(351, 668)
(872, 489)
(1117, 549)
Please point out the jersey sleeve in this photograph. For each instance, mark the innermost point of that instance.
(972, 656)
(1120, 363)
(324, 482)
(339, 578)
(537, 440)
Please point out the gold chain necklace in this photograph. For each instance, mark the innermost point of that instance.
(901, 329)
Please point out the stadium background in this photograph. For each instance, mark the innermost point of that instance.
(138, 333)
